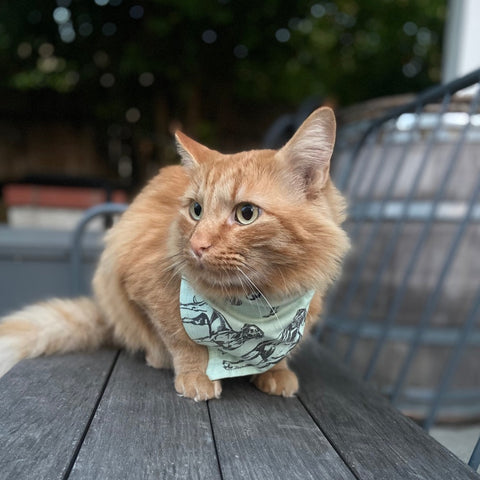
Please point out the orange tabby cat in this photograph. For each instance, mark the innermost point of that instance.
(262, 225)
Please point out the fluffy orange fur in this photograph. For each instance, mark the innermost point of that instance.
(296, 244)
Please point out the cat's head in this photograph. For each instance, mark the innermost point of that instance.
(263, 219)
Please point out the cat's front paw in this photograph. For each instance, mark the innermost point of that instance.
(197, 386)
(277, 382)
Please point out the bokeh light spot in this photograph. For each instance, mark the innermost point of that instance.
(46, 50)
(125, 166)
(317, 10)
(67, 33)
(101, 59)
(282, 35)
(61, 15)
(136, 12)
(85, 29)
(410, 29)
(146, 79)
(240, 51)
(107, 80)
(209, 36)
(24, 50)
(133, 115)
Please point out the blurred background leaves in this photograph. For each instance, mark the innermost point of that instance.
(220, 69)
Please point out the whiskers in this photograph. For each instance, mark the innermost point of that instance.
(216, 278)
(173, 266)
(225, 279)
(249, 286)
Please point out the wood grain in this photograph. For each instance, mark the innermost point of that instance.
(374, 438)
(143, 430)
(45, 407)
(59, 420)
(265, 437)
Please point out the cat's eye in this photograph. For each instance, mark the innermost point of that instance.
(246, 213)
(195, 211)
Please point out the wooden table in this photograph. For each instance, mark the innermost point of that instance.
(105, 415)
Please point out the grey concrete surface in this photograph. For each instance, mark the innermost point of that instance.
(459, 439)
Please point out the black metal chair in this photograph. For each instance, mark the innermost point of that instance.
(407, 310)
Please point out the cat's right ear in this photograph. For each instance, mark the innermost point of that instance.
(190, 151)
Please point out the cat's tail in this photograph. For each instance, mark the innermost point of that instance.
(54, 326)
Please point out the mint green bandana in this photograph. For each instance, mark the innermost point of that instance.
(245, 335)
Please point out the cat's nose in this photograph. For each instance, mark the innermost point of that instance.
(199, 246)
(199, 251)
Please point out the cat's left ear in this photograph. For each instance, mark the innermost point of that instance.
(190, 151)
(307, 154)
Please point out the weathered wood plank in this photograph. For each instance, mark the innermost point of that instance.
(143, 430)
(264, 437)
(45, 406)
(374, 438)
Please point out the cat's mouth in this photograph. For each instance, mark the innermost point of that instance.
(216, 278)
(224, 279)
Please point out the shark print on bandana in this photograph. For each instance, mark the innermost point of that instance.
(244, 335)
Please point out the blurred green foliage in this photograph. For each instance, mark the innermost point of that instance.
(195, 59)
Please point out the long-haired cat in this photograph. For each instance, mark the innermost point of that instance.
(211, 270)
